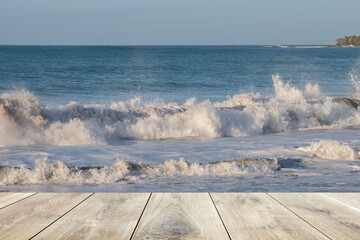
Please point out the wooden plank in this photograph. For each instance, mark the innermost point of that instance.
(350, 198)
(180, 216)
(336, 219)
(103, 216)
(258, 216)
(7, 198)
(26, 218)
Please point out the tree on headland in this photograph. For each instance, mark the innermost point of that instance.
(348, 40)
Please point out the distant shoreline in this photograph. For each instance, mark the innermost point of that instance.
(347, 41)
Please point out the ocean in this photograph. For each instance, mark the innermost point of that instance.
(179, 118)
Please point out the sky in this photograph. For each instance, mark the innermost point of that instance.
(177, 22)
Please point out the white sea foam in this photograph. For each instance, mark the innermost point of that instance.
(330, 149)
(245, 99)
(311, 47)
(356, 82)
(24, 121)
(121, 171)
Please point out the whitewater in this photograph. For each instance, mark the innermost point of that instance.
(24, 121)
(179, 119)
(292, 124)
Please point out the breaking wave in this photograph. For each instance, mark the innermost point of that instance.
(126, 172)
(25, 121)
(330, 149)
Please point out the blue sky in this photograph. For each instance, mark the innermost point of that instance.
(183, 22)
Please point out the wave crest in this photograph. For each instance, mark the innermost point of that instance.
(330, 149)
(122, 171)
(24, 121)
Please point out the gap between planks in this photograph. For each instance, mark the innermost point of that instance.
(15, 199)
(142, 213)
(227, 231)
(337, 219)
(63, 215)
(282, 204)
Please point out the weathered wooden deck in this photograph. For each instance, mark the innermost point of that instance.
(180, 215)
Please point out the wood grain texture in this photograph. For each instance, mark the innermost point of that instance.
(29, 216)
(7, 198)
(336, 219)
(350, 198)
(258, 216)
(103, 216)
(180, 216)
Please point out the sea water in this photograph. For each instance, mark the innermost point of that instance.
(179, 118)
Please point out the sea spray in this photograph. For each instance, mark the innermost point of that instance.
(356, 82)
(24, 121)
(330, 149)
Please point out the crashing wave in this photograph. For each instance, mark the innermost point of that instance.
(122, 171)
(334, 150)
(24, 121)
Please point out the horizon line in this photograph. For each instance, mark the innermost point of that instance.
(150, 45)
